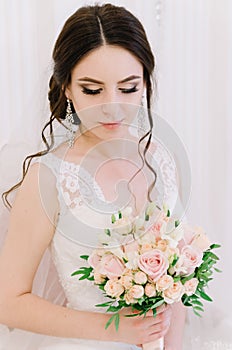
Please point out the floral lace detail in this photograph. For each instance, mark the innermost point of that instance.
(166, 184)
(77, 185)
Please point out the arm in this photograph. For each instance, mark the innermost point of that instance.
(174, 337)
(31, 230)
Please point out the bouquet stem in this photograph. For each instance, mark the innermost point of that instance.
(154, 345)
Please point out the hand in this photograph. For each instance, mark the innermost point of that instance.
(140, 329)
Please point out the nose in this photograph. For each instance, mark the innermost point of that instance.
(111, 110)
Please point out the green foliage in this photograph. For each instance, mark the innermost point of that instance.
(86, 273)
(203, 273)
(84, 257)
(107, 232)
(114, 318)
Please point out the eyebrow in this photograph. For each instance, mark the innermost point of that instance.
(131, 77)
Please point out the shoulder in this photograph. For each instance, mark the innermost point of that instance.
(38, 192)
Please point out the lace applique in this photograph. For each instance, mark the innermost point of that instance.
(166, 185)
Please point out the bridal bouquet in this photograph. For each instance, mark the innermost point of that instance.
(145, 267)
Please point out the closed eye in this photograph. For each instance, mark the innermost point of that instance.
(128, 91)
(91, 91)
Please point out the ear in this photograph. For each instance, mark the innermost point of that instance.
(67, 92)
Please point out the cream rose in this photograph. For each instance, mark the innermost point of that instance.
(98, 278)
(191, 286)
(113, 288)
(162, 244)
(127, 281)
(164, 282)
(174, 293)
(134, 293)
(150, 290)
(140, 277)
(154, 263)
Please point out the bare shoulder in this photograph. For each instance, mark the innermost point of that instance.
(31, 229)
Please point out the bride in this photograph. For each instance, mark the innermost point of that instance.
(102, 72)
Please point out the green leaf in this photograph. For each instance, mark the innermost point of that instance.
(205, 296)
(213, 256)
(217, 270)
(176, 258)
(213, 246)
(104, 304)
(176, 278)
(158, 303)
(116, 321)
(113, 218)
(90, 278)
(85, 257)
(187, 278)
(114, 308)
(196, 313)
(197, 302)
(134, 315)
(168, 213)
(120, 214)
(198, 308)
(107, 231)
(108, 323)
(177, 223)
(146, 217)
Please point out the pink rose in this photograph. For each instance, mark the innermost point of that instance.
(150, 290)
(113, 288)
(131, 246)
(191, 257)
(200, 240)
(174, 293)
(110, 266)
(94, 259)
(154, 263)
(191, 286)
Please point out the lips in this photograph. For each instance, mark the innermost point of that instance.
(112, 125)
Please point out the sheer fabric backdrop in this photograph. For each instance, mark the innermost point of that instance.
(192, 42)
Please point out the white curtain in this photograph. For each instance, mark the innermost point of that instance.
(192, 42)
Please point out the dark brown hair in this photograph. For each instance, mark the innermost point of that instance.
(87, 29)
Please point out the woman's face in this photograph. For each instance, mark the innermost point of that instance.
(106, 90)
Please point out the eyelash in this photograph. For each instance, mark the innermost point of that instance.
(98, 91)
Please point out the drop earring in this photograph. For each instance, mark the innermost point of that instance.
(70, 121)
(141, 120)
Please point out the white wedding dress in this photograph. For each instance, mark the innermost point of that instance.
(74, 237)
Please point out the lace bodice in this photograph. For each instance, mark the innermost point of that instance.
(84, 213)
